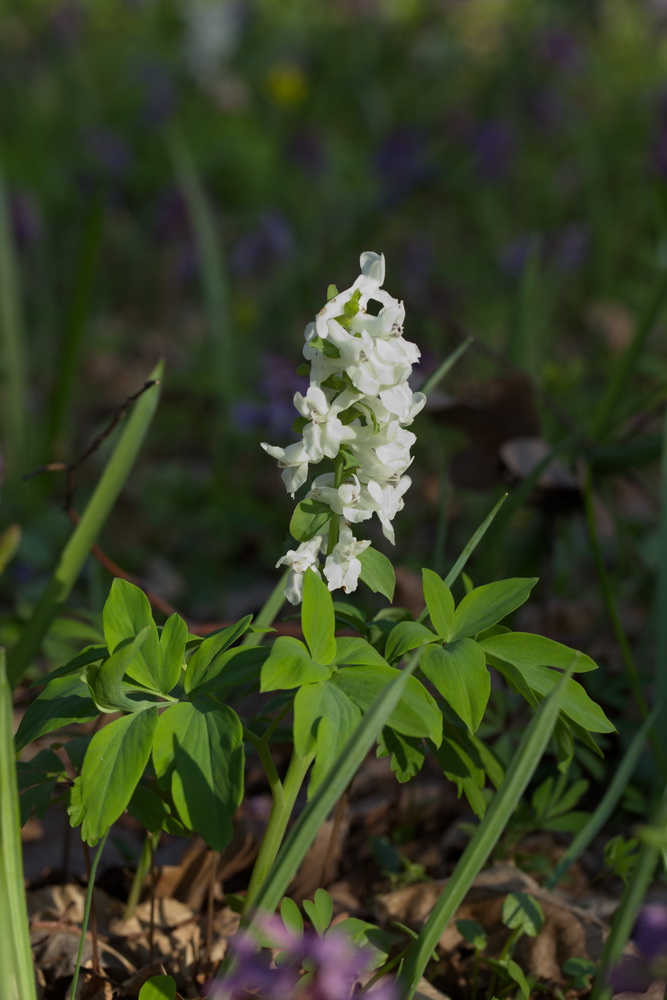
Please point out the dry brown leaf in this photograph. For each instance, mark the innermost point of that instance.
(568, 931)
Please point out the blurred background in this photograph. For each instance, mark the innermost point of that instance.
(182, 179)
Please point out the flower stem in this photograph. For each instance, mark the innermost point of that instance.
(334, 523)
(86, 913)
(284, 797)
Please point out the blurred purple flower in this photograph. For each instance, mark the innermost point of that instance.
(66, 23)
(637, 972)
(659, 145)
(26, 219)
(492, 145)
(110, 153)
(260, 249)
(561, 49)
(563, 251)
(277, 385)
(547, 109)
(334, 966)
(307, 149)
(159, 93)
(402, 161)
(568, 249)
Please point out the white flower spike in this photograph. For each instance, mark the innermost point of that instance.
(355, 412)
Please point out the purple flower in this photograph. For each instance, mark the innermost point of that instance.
(637, 972)
(276, 386)
(492, 145)
(402, 162)
(259, 249)
(110, 153)
(334, 966)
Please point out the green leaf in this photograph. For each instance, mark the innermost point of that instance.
(473, 933)
(407, 753)
(172, 651)
(458, 671)
(352, 650)
(126, 613)
(486, 605)
(522, 910)
(105, 681)
(320, 910)
(507, 967)
(576, 704)
(324, 719)
(463, 768)
(158, 988)
(415, 715)
(114, 763)
(289, 665)
(198, 752)
(291, 917)
(63, 700)
(202, 664)
(153, 812)
(439, 602)
(240, 665)
(524, 649)
(404, 637)
(377, 572)
(308, 519)
(317, 618)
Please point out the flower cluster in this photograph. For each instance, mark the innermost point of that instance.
(356, 412)
(635, 973)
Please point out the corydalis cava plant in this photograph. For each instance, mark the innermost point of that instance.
(355, 413)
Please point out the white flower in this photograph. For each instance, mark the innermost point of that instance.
(401, 401)
(388, 499)
(356, 412)
(323, 434)
(342, 568)
(346, 500)
(293, 460)
(300, 560)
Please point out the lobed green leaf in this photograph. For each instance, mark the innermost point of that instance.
(488, 604)
(458, 671)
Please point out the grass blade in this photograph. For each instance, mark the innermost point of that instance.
(607, 804)
(630, 902)
(617, 387)
(12, 340)
(17, 978)
(519, 773)
(216, 292)
(69, 350)
(437, 376)
(83, 537)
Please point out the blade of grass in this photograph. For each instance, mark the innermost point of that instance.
(216, 292)
(75, 324)
(607, 804)
(617, 386)
(468, 550)
(11, 347)
(17, 978)
(332, 787)
(84, 535)
(437, 376)
(519, 773)
(630, 902)
(661, 590)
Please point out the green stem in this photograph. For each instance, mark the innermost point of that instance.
(266, 760)
(607, 589)
(334, 523)
(145, 861)
(284, 797)
(86, 913)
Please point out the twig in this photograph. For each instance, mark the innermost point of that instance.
(71, 467)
